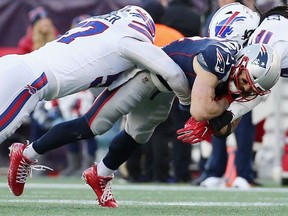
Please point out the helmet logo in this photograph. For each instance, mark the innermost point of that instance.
(262, 57)
(224, 27)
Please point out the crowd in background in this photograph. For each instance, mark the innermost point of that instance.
(163, 158)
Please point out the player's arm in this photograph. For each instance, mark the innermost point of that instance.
(240, 108)
(157, 61)
(226, 123)
(203, 103)
(227, 129)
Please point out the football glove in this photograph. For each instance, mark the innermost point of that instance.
(195, 131)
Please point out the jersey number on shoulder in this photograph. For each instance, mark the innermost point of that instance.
(97, 28)
(263, 37)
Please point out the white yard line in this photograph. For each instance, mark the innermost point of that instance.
(142, 203)
(146, 187)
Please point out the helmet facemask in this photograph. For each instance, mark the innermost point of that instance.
(235, 87)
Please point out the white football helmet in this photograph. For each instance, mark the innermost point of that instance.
(141, 21)
(261, 65)
(233, 21)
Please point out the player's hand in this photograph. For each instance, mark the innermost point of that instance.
(195, 131)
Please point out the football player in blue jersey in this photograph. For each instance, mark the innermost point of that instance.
(271, 31)
(218, 73)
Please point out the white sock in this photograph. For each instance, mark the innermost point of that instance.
(103, 170)
(30, 153)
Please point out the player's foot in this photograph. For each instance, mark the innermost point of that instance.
(241, 183)
(101, 186)
(213, 182)
(20, 167)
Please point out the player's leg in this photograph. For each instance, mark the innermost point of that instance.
(105, 111)
(215, 166)
(140, 125)
(245, 136)
(99, 176)
(21, 90)
(22, 160)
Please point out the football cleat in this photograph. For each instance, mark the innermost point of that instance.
(101, 185)
(20, 167)
(241, 183)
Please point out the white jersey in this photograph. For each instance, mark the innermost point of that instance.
(93, 54)
(272, 31)
(99, 49)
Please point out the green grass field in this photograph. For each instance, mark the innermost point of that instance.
(70, 196)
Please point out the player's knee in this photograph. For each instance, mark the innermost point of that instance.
(141, 138)
(101, 126)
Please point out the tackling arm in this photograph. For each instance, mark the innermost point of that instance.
(203, 103)
(227, 129)
(157, 61)
(221, 126)
(240, 108)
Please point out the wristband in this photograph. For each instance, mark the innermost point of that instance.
(226, 134)
(221, 121)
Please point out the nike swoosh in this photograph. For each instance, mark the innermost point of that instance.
(205, 130)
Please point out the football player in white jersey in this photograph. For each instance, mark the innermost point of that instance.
(271, 30)
(93, 54)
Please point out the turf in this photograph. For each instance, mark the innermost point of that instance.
(70, 196)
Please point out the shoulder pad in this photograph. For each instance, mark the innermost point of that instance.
(216, 60)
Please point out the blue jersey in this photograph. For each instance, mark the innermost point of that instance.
(214, 55)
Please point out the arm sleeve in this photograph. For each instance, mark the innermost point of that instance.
(240, 108)
(157, 61)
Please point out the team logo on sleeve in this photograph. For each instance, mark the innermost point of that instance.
(31, 89)
(142, 23)
(224, 27)
(262, 58)
(220, 62)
